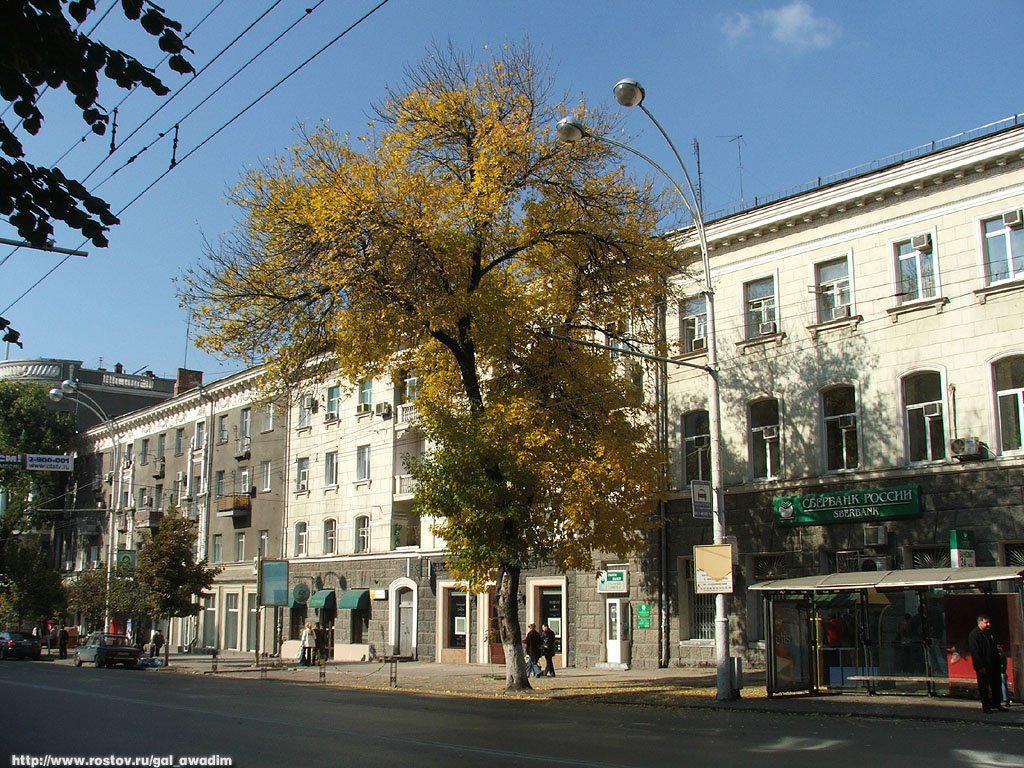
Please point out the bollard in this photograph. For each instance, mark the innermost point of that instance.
(393, 677)
(736, 675)
(323, 668)
(213, 661)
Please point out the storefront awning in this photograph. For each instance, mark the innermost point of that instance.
(355, 599)
(322, 598)
(914, 578)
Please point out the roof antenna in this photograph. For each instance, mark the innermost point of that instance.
(738, 138)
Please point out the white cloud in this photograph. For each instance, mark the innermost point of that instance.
(794, 25)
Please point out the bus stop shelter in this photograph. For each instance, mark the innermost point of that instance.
(889, 631)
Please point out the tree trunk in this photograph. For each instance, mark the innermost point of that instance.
(511, 634)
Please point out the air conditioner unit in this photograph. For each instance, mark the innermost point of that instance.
(698, 343)
(109, 477)
(382, 409)
(363, 408)
(302, 485)
(770, 432)
(179, 477)
(702, 441)
(965, 448)
(931, 410)
(158, 468)
(330, 416)
(841, 312)
(921, 243)
(875, 536)
(766, 329)
(147, 501)
(874, 563)
(847, 422)
(1013, 219)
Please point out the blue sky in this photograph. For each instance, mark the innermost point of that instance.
(813, 87)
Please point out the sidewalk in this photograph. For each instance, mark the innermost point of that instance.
(673, 687)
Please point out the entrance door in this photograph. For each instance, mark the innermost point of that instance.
(494, 646)
(616, 622)
(405, 609)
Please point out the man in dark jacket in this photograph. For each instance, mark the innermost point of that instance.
(985, 658)
(548, 649)
(533, 644)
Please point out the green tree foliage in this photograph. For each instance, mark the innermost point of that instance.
(40, 47)
(447, 245)
(168, 573)
(29, 425)
(87, 595)
(30, 590)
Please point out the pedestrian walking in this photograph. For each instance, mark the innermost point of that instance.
(548, 649)
(62, 642)
(533, 645)
(156, 644)
(307, 643)
(986, 661)
(320, 637)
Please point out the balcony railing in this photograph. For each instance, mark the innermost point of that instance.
(148, 517)
(408, 413)
(405, 485)
(238, 505)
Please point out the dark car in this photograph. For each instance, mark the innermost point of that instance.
(106, 650)
(19, 645)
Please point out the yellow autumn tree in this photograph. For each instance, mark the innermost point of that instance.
(458, 240)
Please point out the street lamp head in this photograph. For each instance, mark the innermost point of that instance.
(69, 386)
(628, 92)
(571, 130)
(56, 394)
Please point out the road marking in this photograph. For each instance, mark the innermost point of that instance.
(798, 744)
(981, 759)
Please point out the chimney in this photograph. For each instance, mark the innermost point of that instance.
(187, 380)
(118, 368)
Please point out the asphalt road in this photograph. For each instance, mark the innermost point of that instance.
(64, 711)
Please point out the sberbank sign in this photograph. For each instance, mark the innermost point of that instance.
(851, 506)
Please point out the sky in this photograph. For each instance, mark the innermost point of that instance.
(775, 93)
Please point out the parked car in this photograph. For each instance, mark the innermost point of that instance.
(105, 650)
(19, 645)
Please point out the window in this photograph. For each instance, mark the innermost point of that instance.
(693, 324)
(361, 531)
(616, 335)
(239, 546)
(244, 485)
(222, 428)
(264, 475)
(457, 620)
(216, 548)
(231, 619)
(267, 417)
(832, 287)
(161, 446)
(696, 447)
(158, 494)
(697, 617)
(334, 400)
(245, 423)
(252, 622)
(926, 434)
(764, 439)
(759, 300)
(410, 389)
(210, 621)
(143, 497)
(199, 441)
(262, 548)
(365, 395)
(331, 468)
(1004, 248)
(362, 463)
(305, 411)
(128, 455)
(144, 451)
(302, 474)
(218, 483)
(179, 441)
(330, 536)
(301, 539)
(839, 406)
(1009, 377)
(916, 270)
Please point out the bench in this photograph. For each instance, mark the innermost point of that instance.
(872, 679)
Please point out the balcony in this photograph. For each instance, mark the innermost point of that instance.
(238, 505)
(148, 517)
(243, 448)
(408, 413)
(405, 487)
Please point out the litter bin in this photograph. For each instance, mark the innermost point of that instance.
(736, 675)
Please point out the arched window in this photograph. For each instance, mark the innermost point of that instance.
(923, 417)
(301, 539)
(696, 447)
(1009, 378)
(764, 439)
(361, 534)
(330, 536)
(839, 411)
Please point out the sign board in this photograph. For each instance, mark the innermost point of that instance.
(868, 505)
(643, 616)
(126, 559)
(48, 463)
(700, 495)
(378, 594)
(274, 582)
(712, 569)
(962, 549)
(612, 581)
(12, 460)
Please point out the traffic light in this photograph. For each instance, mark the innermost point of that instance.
(10, 336)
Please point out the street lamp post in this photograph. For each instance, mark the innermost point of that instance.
(57, 394)
(629, 93)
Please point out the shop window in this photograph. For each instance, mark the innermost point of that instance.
(697, 611)
(929, 557)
